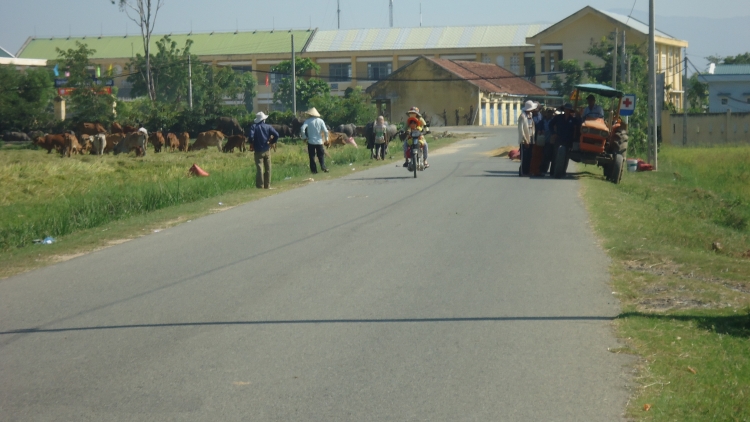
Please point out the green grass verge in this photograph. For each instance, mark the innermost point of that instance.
(89, 202)
(680, 244)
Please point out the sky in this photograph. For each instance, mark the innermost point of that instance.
(20, 19)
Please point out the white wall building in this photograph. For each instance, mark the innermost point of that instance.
(729, 88)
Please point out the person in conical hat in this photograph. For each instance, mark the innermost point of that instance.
(314, 130)
(414, 112)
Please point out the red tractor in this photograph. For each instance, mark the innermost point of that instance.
(603, 142)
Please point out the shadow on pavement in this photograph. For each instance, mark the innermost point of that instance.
(311, 321)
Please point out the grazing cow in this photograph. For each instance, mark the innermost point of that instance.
(235, 141)
(157, 140)
(90, 128)
(35, 134)
(184, 139)
(133, 141)
(112, 141)
(335, 139)
(229, 125)
(346, 129)
(359, 131)
(15, 137)
(87, 144)
(206, 139)
(284, 130)
(99, 142)
(116, 128)
(71, 145)
(296, 125)
(129, 129)
(50, 142)
(172, 142)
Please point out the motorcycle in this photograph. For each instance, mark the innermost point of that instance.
(416, 159)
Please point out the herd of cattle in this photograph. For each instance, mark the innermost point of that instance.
(93, 138)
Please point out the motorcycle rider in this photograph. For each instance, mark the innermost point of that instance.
(421, 126)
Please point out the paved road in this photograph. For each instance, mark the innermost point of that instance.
(468, 294)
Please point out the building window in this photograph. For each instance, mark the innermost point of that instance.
(486, 58)
(275, 79)
(552, 62)
(378, 70)
(544, 64)
(515, 64)
(724, 101)
(663, 62)
(500, 61)
(340, 72)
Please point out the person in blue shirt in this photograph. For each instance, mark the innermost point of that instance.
(312, 130)
(262, 136)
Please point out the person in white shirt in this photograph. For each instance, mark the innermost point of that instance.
(593, 111)
(526, 135)
(317, 127)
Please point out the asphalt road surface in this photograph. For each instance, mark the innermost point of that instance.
(468, 294)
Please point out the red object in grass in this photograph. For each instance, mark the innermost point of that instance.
(197, 171)
(514, 154)
(644, 166)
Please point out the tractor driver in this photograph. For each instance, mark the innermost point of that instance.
(593, 111)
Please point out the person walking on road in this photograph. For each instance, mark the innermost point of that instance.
(312, 130)
(380, 129)
(526, 135)
(262, 135)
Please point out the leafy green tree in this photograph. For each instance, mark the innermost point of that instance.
(89, 101)
(571, 74)
(169, 67)
(25, 98)
(743, 58)
(697, 94)
(354, 108)
(307, 88)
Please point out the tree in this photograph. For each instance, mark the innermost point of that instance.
(143, 13)
(697, 94)
(25, 98)
(570, 75)
(169, 70)
(353, 108)
(743, 58)
(307, 89)
(88, 100)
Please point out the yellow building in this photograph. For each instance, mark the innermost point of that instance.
(573, 36)
(453, 93)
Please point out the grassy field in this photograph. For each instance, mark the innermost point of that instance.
(680, 244)
(87, 201)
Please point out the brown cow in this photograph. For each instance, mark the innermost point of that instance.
(172, 142)
(50, 142)
(184, 139)
(71, 145)
(112, 141)
(335, 139)
(89, 129)
(133, 141)
(235, 141)
(87, 144)
(207, 139)
(129, 129)
(116, 128)
(157, 140)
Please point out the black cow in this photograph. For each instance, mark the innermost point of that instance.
(15, 137)
(229, 126)
(349, 130)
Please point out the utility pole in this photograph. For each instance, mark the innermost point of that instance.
(420, 14)
(684, 102)
(190, 83)
(294, 80)
(390, 11)
(338, 13)
(652, 136)
(614, 61)
(624, 58)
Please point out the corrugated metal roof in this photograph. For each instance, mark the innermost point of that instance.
(423, 38)
(5, 53)
(489, 77)
(732, 69)
(634, 23)
(218, 43)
